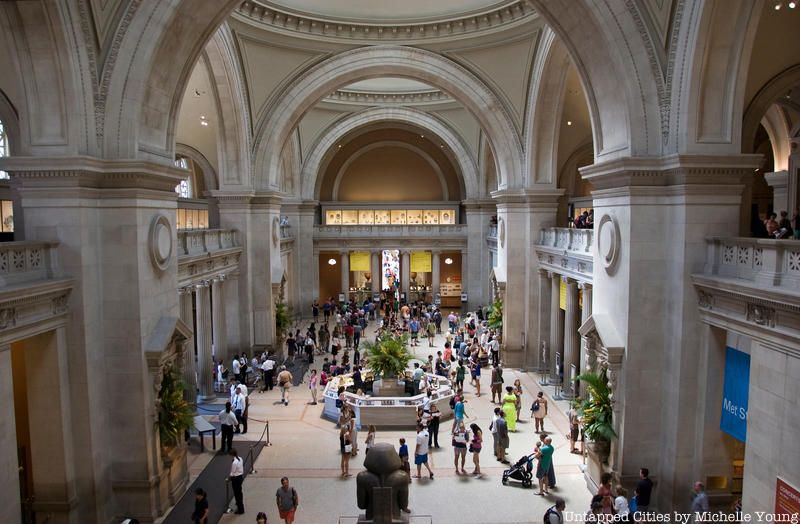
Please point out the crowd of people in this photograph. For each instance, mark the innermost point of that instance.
(782, 228)
(469, 347)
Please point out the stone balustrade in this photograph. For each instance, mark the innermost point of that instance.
(767, 263)
(198, 241)
(567, 251)
(389, 231)
(568, 239)
(22, 262)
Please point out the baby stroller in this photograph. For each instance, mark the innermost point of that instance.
(522, 470)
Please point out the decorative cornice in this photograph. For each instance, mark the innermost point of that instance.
(526, 197)
(30, 308)
(296, 22)
(670, 170)
(357, 97)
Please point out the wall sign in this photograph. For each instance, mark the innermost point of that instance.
(787, 499)
(359, 261)
(421, 261)
(735, 394)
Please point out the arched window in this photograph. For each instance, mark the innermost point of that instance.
(184, 189)
(4, 150)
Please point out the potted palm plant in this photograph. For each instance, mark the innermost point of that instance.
(388, 358)
(596, 411)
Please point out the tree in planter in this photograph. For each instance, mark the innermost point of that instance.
(282, 319)
(596, 411)
(174, 413)
(495, 316)
(388, 356)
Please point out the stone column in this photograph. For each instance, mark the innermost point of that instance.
(375, 269)
(218, 318)
(9, 463)
(435, 272)
(779, 182)
(232, 314)
(475, 267)
(572, 353)
(203, 335)
(189, 360)
(556, 325)
(315, 272)
(543, 319)
(345, 259)
(405, 271)
(586, 312)
(465, 279)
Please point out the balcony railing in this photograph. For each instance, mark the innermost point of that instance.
(286, 232)
(767, 263)
(26, 261)
(568, 239)
(197, 241)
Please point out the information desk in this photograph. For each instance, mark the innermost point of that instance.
(387, 411)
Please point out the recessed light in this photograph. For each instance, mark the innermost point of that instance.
(448, 261)
(204, 122)
(777, 7)
(792, 5)
(569, 122)
(332, 261)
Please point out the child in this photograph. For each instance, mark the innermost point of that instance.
(404, 458)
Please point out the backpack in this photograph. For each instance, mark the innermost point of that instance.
(535, 406)
(551, 511)
(452, 402)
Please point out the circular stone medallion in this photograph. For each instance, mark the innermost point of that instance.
(608, 242)
(160, 242)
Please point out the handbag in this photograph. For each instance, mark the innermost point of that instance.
(535, 406)
(348, 448)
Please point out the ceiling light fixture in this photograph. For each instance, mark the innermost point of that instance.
(448, 261)
(203, 120)
(569, 122)
(792, 5)
(778, 6)
(332, 261)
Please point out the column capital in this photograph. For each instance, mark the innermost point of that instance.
(586, 286)
(568, 280)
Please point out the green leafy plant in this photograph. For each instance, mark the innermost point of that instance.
(174, 413)
(282, 319)
(495, 316)
(596, 409)
(388, 356)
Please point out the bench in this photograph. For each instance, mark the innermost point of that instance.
(203, 426)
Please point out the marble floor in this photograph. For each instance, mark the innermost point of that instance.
(305, 447)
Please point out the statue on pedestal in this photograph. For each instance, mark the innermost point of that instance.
(382, 490)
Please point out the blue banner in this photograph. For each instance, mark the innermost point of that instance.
(735, 394)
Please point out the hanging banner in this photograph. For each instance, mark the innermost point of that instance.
(787, 500)
(562, 299)
(735, 394)
(359, 261)
(421, 261)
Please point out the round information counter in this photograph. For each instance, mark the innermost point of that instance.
(398, 411)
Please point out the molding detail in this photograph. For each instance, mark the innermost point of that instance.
(296, 22)
(160, 242)
(609, 242)
(761, 315)
(347, 96)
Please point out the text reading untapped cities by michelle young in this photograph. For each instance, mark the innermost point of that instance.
(687, 518)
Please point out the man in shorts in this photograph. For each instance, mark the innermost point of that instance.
(287, 500)
(421, 451)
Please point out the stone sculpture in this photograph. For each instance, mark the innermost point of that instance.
(382, 490)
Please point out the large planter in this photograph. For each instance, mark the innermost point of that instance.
(596, 464)
(389, 387)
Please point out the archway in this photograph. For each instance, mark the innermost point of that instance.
(322, 149)
(370, 62)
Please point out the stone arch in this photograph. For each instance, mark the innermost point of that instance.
(375, 61)
(150, 62)
(543, 121)
(233, 114)
(569, 176)
(54, 66)
(324, 146)
(607, 45)
(777, 128)
(395, 143)
(766, 96)
(712, 43)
